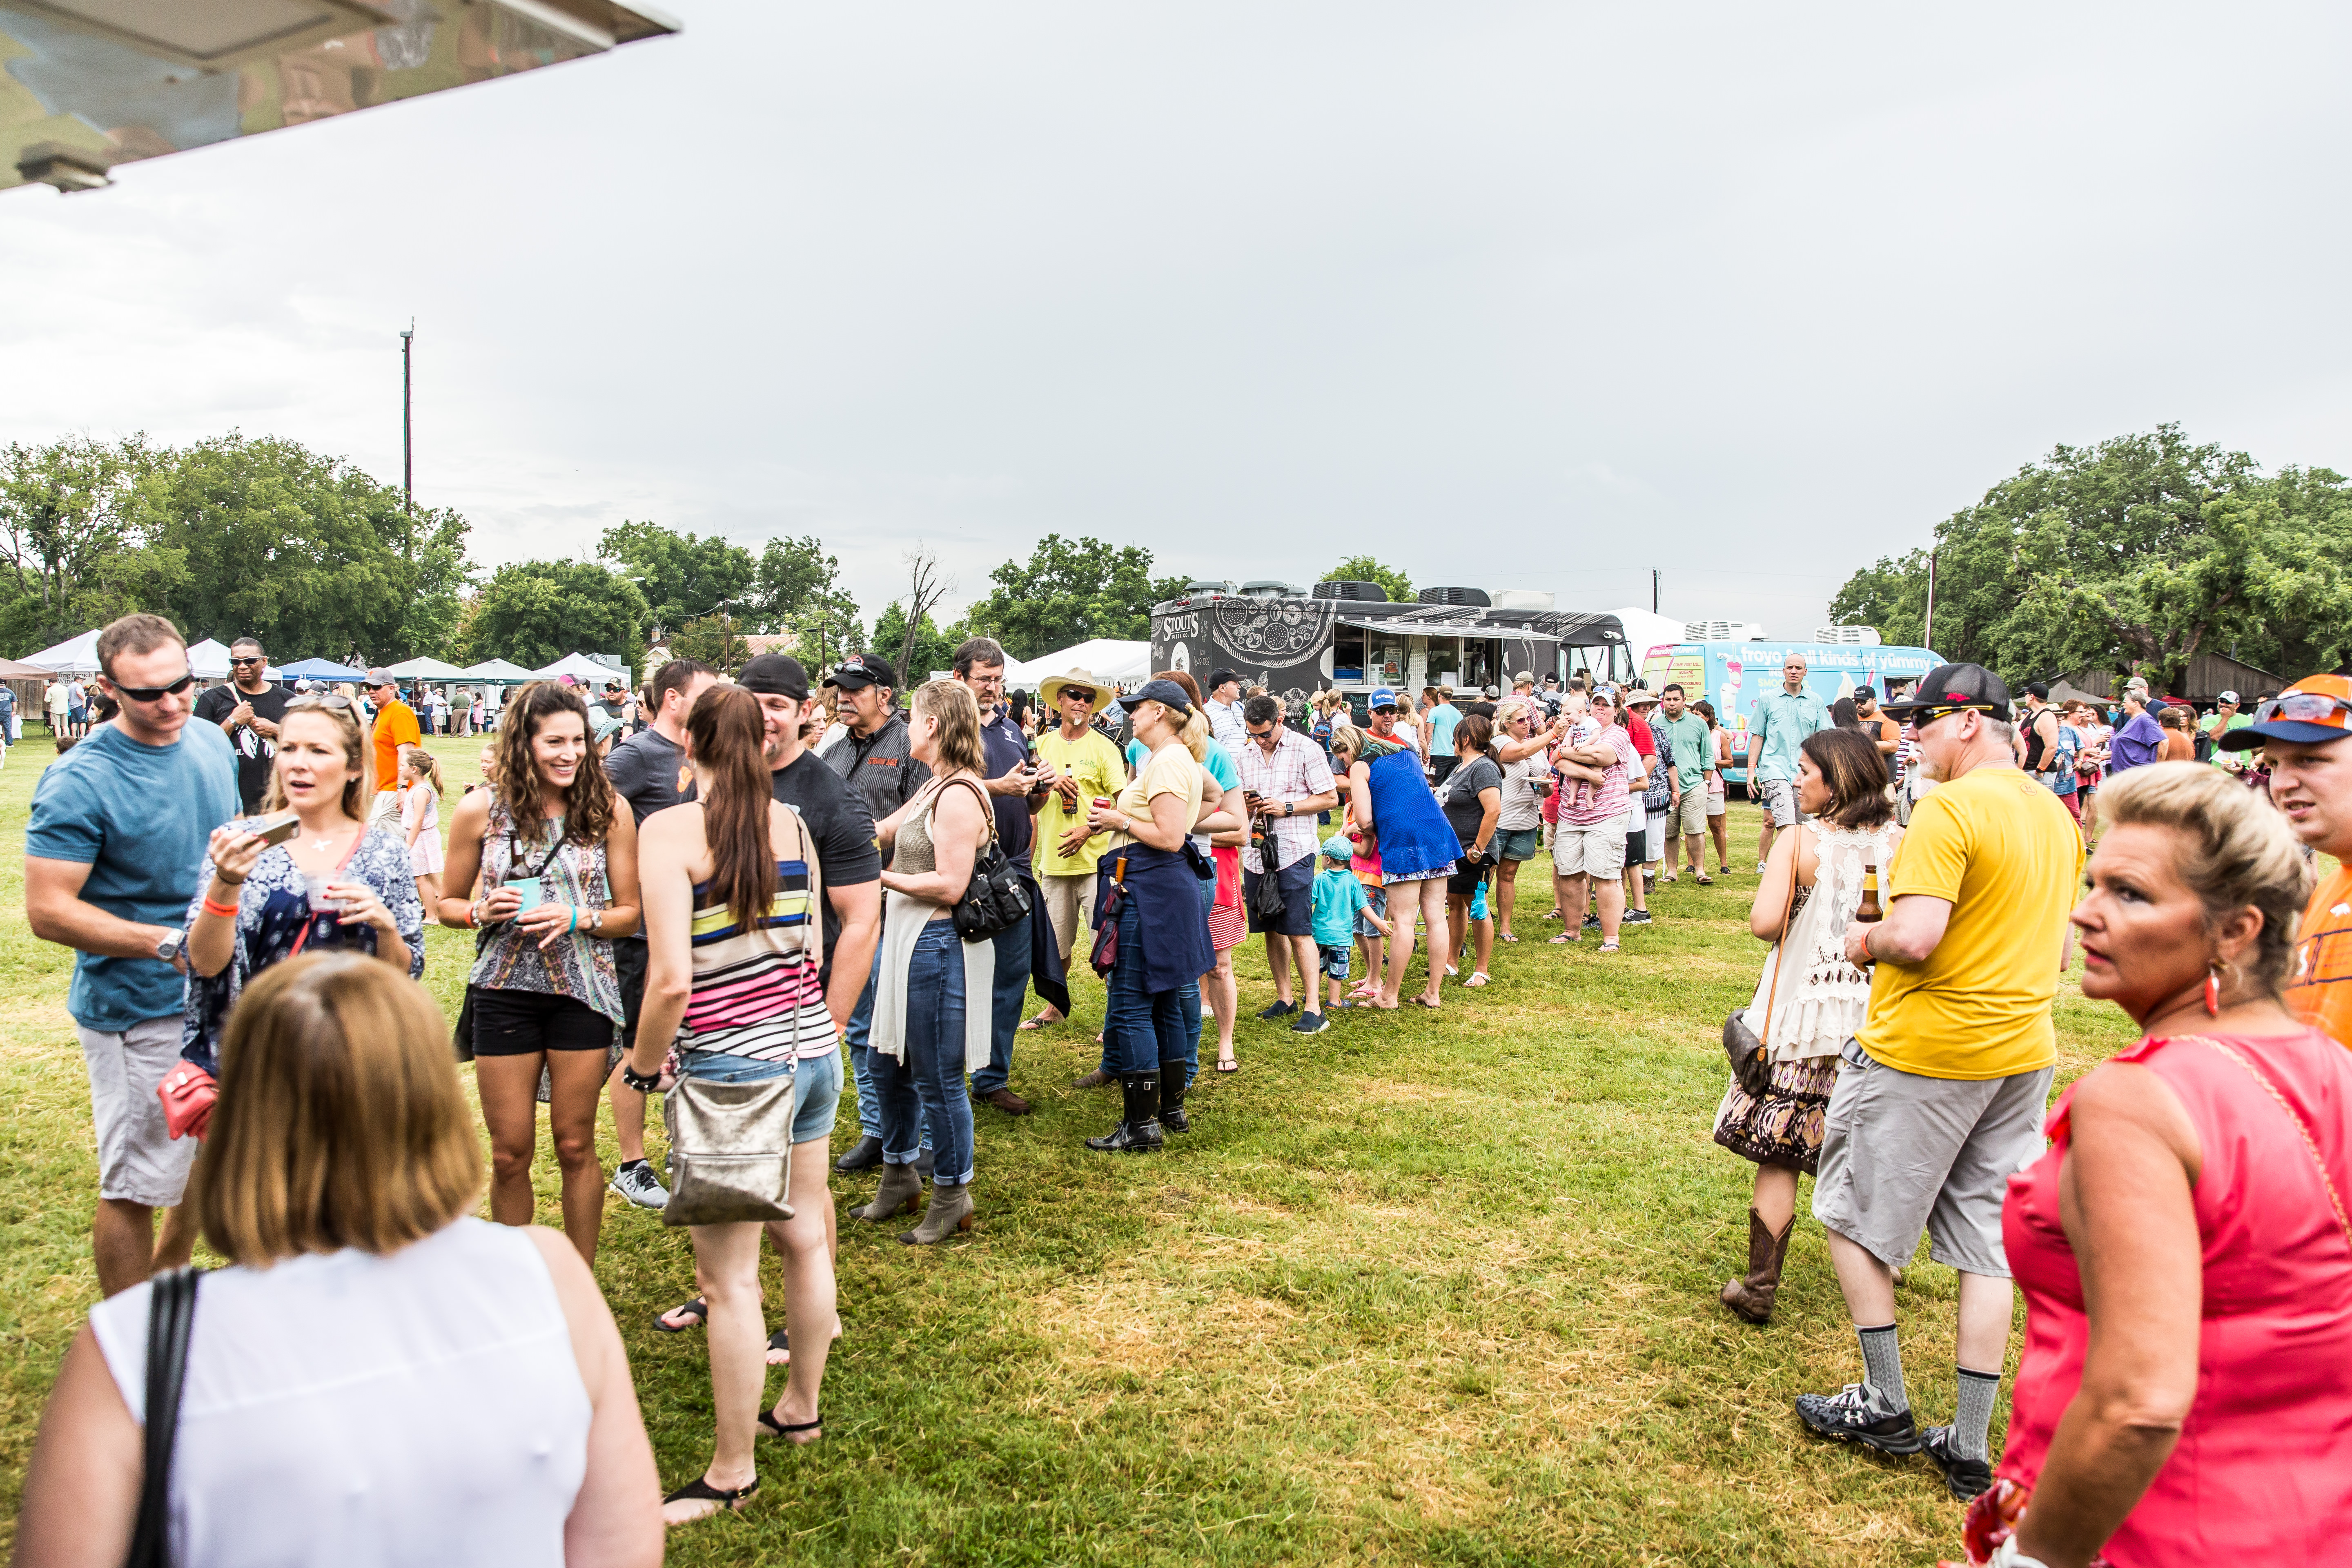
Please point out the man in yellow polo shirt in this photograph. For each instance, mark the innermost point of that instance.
(1082, 763)
(1939, 1097)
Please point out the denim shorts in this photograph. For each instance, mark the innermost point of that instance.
(1515, 843)
(817, 1093)
(1376, 904)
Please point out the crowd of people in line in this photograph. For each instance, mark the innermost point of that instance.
(768, 892)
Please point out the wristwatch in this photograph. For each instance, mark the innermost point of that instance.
(168, 949)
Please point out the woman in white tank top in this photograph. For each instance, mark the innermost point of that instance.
(378, 1378)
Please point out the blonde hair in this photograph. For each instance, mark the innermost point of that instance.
(957, 710)
(2231, 848)
(427, 765)
(1348, 735)
(359, 757)
(340, 1122)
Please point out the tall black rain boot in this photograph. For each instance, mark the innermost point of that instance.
(1139, 1131)
(1171, 1097)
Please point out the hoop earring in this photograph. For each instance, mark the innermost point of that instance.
(2213, 989)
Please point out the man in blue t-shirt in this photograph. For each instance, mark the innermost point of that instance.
(1443, 717)
(117, 839)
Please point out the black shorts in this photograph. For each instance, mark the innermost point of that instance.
(1297, 881)
(1467, 874)
(629, 963)
(524, 1023)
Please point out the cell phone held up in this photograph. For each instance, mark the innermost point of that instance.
(278, 829)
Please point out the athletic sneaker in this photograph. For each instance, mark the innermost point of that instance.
(1636, 918)
(1309, 1023)
(1964, 1478)
(1279, 1010)
(1848, 1416)
(635, 1180)
(1592, 922)
(1759, 868)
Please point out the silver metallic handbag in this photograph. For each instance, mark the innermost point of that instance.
(730, 1150)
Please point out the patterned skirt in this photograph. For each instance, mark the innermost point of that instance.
(1782, 1127)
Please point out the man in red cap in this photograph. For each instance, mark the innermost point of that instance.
(2301, 731)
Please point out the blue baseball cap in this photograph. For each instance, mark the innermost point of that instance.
(1385, 696)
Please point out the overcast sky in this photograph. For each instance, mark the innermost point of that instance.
(1510, 295)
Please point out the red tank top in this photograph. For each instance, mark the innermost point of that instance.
(2263, 1469)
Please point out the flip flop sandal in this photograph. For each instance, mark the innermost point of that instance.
(1477, 977)
(699, 1309)
(1508, 937)
(1704, 881)
(1229, 1067)
(1565, 938)
(775, 1429)
(1040, 1022)
(698, 1489)
(1606, 947)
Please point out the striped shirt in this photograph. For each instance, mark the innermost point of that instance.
(756, 993)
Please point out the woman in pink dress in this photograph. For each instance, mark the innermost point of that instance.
(2185, 1394)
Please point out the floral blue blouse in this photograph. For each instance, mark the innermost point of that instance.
(273, 912)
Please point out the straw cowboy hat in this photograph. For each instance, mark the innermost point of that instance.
(1050, 688)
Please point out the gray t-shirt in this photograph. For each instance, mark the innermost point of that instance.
(644, 771)
(1464, 811)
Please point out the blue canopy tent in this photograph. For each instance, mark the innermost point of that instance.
(322, 669)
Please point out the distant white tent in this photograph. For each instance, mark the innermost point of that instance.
(582, 668)
(74, 656)
(426, 668)
(495, 671)
(1646, 629)
(208, 660)
(1114, 661)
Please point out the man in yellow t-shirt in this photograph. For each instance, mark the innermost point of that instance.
(1079, 762)
(1939, 1097)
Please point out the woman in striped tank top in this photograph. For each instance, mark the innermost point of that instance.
(733, 947)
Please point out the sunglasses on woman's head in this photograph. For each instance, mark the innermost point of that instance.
(154, 693)
(331, 699)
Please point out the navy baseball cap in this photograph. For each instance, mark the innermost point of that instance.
(1166, 694)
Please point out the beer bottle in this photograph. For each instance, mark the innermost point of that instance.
(1869, 910)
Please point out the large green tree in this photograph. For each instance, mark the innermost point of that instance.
(1067, 592)
(1364, 569)
(304, 551)
(2134, 555)
(683, 575)
(74, 554)
(535, 612)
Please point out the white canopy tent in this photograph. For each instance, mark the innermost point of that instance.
(1114, 661)
(74, 656)
(425, 669)
(1646, 629)
(208, 660)
(582, 668)
(495, 671)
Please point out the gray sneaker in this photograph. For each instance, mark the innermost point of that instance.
(635, 1180)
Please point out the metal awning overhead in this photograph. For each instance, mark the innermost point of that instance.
(88, 84)
(1463, 620)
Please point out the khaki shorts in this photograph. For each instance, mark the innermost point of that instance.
(1069, 907)
(1595, 851)
(1690, 819)
(139, 1160)
(1901, 1153)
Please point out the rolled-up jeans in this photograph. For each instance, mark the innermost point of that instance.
(1143, 1029)
(927, 1086)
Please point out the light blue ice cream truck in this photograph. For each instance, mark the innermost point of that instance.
(1735, 676)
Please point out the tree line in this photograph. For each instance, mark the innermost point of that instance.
(2132, 557)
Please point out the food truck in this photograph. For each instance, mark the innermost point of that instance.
(1351, 637)
(1735, 676)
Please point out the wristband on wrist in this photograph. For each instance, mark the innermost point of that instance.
(225, 912)
(574, 926)
(644, 1082)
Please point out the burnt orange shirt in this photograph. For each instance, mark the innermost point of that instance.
(2319, 982)
(2177, 748)
(395, 726)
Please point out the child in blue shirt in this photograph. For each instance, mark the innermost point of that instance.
(1339, 897)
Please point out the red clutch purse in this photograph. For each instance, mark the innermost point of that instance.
(187, 1092)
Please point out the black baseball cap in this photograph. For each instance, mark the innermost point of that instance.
(779, 673)
(1865, 689)
(2039, 691)
(1165, 692)
(860, 670)
(1219, 678)
(1949, 688)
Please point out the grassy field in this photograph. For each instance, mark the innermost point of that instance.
(1426, 1288)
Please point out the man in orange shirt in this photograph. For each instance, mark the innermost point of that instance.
(2301, 731)
(395, 726)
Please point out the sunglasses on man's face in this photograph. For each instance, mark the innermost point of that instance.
(155, 693)
(256, 659)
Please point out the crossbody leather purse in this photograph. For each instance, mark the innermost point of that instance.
(1749, 1050)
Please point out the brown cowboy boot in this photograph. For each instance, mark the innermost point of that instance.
(1752, 1297)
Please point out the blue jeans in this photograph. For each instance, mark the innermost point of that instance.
(1011, 991)
(861, 1068)
(1143, 1029)
(927, 1086)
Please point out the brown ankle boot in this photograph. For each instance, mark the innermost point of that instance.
(1752, 1297)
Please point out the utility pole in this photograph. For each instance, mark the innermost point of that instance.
(1654, 589)
(1927, 632)
(407, 422)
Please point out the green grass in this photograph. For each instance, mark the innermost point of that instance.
(1432, 1289)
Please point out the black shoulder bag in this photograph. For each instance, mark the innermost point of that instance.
(996, 899)
(171, 1313)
